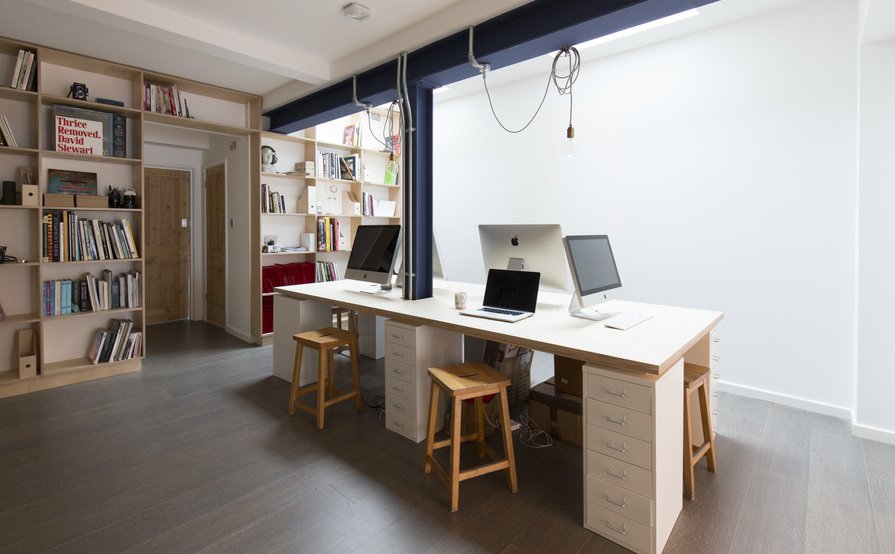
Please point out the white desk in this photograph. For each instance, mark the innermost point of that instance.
(644, 363)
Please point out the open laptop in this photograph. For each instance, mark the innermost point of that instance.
(509, 295)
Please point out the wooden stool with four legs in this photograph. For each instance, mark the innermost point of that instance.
(462, 382)
(696, 378)
(326, 341)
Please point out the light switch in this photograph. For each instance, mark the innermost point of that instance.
(184, 223)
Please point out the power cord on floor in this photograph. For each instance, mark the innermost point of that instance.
(532, 435)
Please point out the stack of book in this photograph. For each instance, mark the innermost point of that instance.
(6, 136)
(329, 235)
(89, 294)
(272, 202)
(334, 166)
(327, 271)
(25, 71)
(69, 238)
(165, 100)
(116, 343)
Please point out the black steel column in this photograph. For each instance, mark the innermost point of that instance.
(418, 193)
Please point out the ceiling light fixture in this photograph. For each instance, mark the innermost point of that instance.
(355, 11)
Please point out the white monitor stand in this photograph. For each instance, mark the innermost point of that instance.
(577, 309)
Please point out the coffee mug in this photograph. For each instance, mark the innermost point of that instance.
(460, 300)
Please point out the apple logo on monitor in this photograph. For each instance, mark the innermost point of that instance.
(515, 240)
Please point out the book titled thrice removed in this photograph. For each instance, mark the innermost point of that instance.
(79, 136)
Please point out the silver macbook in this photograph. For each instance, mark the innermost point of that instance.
(509, 295)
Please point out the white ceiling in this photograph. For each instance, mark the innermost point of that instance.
(281, 49)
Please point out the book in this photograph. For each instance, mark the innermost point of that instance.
(6, 129)
(27, 70)
(63, 181)
(99, 341)
(18, 69)
(110, 102)
(119, 135)
(80, 131)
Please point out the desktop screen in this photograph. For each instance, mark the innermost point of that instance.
(593, 263)
(512, 290)
(374, 248)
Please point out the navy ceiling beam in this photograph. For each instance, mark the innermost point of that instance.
(534, 29)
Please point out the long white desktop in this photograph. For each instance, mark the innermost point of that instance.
(633, 386)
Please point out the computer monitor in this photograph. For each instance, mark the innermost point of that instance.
(527, 247)
(437, 268)
(594, 274)
(373, 255)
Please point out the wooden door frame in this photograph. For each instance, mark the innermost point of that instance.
(205, 168)
(189, 171)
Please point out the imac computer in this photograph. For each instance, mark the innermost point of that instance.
(527, 247)
(594, 274)
(373, 256)
(437, 268)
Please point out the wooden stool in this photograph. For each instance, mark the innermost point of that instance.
(326, 341)
(696, 378)
(461, 382)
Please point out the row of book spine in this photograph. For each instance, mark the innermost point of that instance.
(272, 202)
(328, 234)
(25, 72)
(327, 271)
(6, 136)
(118, 342)
(67, 237)
(165, 100)
(89, 294)
(331, 165)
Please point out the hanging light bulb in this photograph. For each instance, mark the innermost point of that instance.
(569, 148)
(391, 170)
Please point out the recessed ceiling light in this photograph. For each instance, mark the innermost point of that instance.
(355, 11)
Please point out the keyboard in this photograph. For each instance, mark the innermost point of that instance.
(625, 321)
(500, 311)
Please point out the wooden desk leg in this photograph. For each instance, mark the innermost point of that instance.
(456, 441)
(354, 351)
(296, 374)
(321, 387)
(430, 427)
(480, 426)
(512, 481)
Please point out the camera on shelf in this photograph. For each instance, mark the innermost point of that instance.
(78, 91)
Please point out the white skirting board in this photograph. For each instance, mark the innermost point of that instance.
(873, 433)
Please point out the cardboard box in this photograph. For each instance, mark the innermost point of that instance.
(568, 375)
(89, 201)
(557, 412)
(27, 353)
(52, 200)
(514, 362)
(30, 195)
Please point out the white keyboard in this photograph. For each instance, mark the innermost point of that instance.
(625, 321)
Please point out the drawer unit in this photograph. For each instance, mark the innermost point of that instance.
(706, 353)
(410, 350)
(633, 460)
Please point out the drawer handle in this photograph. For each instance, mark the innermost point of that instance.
(394, 336)
(716, 339)
(620, 394)
(621, 421)
(397, 407)
(716, 358)
(623, 530)
(620, 503)
(621, 448)
(620, 476)
(397, 354)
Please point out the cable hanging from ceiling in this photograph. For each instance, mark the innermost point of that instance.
(562, 77)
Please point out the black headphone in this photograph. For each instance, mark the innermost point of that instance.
(272, 151)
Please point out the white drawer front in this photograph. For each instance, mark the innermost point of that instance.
(623, 420)
(617, 472)
(618, 528)
(400, 370)
(398, 387)
(620, 447)
(621, 501)
(400, 353)
(401, 425)
(401, 406)
(621, 393)
(400, 335)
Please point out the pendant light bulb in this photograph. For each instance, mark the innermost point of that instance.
(391, 168)
(569, 147)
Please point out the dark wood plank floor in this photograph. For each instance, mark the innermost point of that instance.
(196, 453)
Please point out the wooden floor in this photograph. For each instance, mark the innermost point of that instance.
(196, 453)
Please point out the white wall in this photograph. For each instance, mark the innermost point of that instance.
(875, 375)
(239, 246)
(187, 159)
(722, 164)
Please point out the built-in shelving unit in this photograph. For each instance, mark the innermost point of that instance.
(62, 342)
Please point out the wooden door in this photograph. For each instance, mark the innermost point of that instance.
(215, 247)
(166, 205)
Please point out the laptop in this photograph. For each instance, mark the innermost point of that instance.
(509, 295)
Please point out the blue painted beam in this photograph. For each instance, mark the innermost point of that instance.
(529, 31)
(418, 201)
